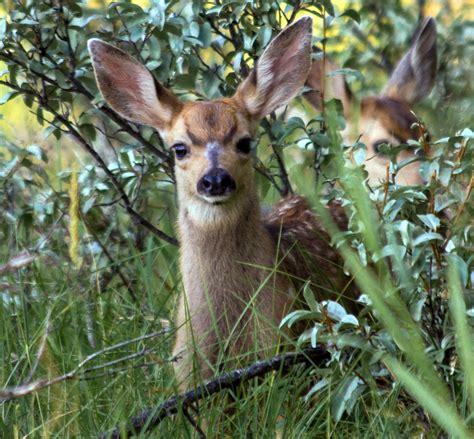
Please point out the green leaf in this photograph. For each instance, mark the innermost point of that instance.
(264, 35)
(426, 237)
(351, 13)
(88, 205)
(398, 251)
(343, 395)
(89, 131)
(334, 310)
(430, 220)
(320, 385)
(157, 13)
(309, 297)
(205, 35)
(8, 96)
(176, 44)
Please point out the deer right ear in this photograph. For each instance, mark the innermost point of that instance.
(415, 74)
(130, 89)
(279, 73)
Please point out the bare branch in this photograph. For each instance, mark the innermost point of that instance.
(286, 189)
(195, 425)
(295, 10)
(9, 393)
(151, 418)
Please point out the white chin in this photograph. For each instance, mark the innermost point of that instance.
(218, 199)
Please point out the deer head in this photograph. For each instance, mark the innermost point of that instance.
(386, 118)
(211, 139)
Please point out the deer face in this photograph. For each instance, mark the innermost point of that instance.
(211, 143)
(385, 121)
(211, 140)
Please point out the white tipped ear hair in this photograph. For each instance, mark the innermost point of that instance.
(280, 72)
(129, 88)
(415, 75)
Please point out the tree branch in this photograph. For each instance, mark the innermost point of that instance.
(286, 189)
(108, 255)
(28, 387)
(77, 87)
(151, 418)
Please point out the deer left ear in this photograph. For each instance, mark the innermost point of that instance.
(415, 75)
(130, 89)
(279, 73)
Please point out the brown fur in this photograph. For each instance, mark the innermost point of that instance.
(305, 247)
(396, 116)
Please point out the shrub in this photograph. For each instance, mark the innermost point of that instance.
(409, 248)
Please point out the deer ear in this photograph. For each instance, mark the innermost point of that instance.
(415, 74)
(279, 73)
(326, 86)
(130, 89)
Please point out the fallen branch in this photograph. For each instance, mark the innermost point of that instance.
(151, 418)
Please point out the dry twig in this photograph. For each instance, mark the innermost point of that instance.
(29, 386)
(151, 418)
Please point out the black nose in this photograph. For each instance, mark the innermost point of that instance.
(216, 182)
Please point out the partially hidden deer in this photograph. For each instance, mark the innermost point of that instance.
(386, 118)
(241, 270)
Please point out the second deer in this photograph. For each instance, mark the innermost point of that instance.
(386, 118)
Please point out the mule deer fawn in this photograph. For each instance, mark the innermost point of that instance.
(386, 118)
(241, 270)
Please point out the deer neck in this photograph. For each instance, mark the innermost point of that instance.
(222, 255)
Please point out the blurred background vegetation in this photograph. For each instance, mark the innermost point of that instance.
(84, 268)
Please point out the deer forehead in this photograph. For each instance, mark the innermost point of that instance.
(373, 129)
(208, 124)
(383, 117)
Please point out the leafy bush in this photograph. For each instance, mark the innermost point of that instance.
(410, 248)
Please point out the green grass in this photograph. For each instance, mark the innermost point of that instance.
(392, 376)
(389, 377)
(55, 294)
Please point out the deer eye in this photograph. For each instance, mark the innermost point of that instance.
(378, 146)
(180, 150)
(244, 145)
